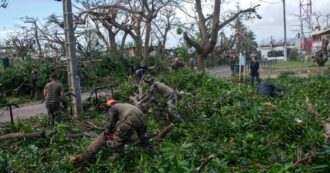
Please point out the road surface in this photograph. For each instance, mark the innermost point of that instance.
(220, 71)
(26, 111)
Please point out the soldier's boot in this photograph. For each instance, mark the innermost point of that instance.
(145, 143)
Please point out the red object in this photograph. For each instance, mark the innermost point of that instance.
(110, 136)
(106, 108)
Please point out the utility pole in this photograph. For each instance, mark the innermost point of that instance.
(285, 46)
(71, 58)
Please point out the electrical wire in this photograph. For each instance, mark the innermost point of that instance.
(270, 2)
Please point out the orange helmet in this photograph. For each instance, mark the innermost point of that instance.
(111, 102)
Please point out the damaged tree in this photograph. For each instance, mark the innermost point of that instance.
(209, 28)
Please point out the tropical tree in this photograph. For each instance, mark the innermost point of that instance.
(209, 28)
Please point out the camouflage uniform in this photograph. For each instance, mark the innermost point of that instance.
(168, 93)
(123, 120)
(54, 92)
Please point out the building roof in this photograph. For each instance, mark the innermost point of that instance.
(323, 32)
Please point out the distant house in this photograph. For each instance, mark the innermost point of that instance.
(318, 36)
(275, 50)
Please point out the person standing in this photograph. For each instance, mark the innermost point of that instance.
(140, 72)
(177, 64)
(53, 91)
(34, 79)
(232, 62)
(254, 70)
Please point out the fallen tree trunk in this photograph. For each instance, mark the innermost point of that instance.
(21, 135)
(83, 134)
(164, 132)
(203, 164)
(93, 126)
(99, 142)
(92, 149)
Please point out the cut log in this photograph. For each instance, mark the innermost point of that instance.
(203, 164)
(92, 149)
(311, 107)
(164, 132)
(93, 126)
(80, 135)
(21, 135)
(99, 142)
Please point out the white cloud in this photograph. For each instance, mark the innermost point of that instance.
(4, 34)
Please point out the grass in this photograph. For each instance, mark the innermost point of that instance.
(296, 64)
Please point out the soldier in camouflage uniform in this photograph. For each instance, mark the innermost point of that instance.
(53, 92)
(122, 120)
(164, 90)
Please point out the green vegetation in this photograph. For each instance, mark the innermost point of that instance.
(295, 64)
(222, 118)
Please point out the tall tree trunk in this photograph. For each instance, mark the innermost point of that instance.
(122, 46)
(112, 39)
(36, 35)
(147, 40)
(201, 62)
(138, 43)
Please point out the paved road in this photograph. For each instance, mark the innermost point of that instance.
(37, 109)
(220, 71)
(26, 111)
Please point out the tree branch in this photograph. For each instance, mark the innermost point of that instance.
(253, 9)
(192, 42)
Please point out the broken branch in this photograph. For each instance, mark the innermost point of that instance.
(93, 148)
(311, 107)
(93, 126)
(203, 164)
(21, 135)
(164, 132)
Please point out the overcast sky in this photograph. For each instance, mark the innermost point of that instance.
(271, 24)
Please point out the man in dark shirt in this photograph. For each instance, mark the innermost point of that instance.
(139, 72)
(254, 67)
(53, 91)
(34, 79)
(177, 64)
(232, 62)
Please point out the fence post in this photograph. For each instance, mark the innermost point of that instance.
(10, 110)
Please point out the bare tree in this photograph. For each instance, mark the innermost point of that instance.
(22, 42)
(162, 27)
(138, 11)
(33, 22)
(209, 28)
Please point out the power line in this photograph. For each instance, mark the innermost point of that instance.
(270, 2)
